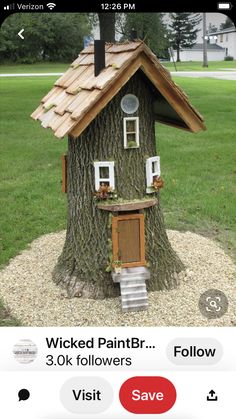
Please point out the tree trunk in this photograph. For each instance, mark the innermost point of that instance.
(107, 26)
(178, 54)
(205, 60)
(81, 268)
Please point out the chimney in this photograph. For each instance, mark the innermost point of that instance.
(99, 56)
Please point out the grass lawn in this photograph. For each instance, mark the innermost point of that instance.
(61, 67)
(197, 65)
(31, 200)
(198, 169)
(34, 68)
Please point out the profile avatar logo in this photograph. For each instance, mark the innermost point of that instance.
(25, 351)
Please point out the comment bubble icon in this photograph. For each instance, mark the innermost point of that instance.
(23, 394)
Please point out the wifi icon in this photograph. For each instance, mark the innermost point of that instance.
(51, 5)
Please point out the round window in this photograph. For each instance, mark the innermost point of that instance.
(129, 103)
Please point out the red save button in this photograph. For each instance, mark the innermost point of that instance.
(147, 395)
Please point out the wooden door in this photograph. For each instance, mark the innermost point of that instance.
(128, 239)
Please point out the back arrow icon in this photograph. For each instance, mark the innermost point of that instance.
(20, 34)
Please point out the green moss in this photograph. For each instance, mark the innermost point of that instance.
(125, 201)
(110, 222)
(50, 106)
(132, 144)
(108, 268)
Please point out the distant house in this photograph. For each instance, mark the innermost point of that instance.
(195, 53)
(226, 39)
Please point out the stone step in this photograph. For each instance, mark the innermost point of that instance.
(134, 307)
(134, 275)
(135, 300)
(132, 285)
(140, 273)
(133, 290)
(125, 293)
(138, 270)
(129, 277)
(127, 281)
(132, 280)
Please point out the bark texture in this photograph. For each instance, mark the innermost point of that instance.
(82, 264)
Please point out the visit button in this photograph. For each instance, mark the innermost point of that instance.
(147, 395)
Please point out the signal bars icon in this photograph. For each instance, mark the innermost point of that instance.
(9, 7)
(51, 5)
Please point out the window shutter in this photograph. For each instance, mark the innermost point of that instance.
(152, 170)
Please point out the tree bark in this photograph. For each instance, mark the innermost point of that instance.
(81, 268)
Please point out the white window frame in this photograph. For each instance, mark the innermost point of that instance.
(150, 173)
(110, 179)
(131, 118)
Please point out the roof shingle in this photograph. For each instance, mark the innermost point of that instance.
(74, 95)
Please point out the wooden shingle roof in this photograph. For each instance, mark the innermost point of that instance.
(78, 96)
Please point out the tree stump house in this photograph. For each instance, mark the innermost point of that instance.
(107, 103)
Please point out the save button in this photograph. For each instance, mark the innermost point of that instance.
(147, 395)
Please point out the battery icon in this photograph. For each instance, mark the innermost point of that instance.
(224, 6)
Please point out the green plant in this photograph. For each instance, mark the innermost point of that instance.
(132, 144)
(117, 263)
(104, 192)
(229, 58)
(108, 268)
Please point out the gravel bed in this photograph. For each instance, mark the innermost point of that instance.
(28, 291)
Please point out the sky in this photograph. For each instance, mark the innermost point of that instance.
(213, 18)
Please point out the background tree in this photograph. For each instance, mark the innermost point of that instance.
(211, 28)
(48, 37)
(183, 30)
(227, 24)
(204, 34)
(149, 27)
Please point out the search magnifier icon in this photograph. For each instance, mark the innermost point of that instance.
(213, 304)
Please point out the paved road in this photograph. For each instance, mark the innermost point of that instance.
(224, 75)
(29, 74)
